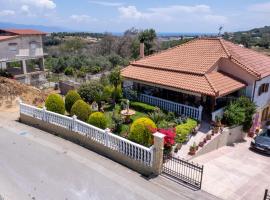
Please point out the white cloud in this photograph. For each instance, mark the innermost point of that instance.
(48, 4)
(107, 3)
(82, 18)
(7, 12)
(260, 7)
(130, 12)
(182, 8)
(25, 10)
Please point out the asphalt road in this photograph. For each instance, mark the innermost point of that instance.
(37, 165)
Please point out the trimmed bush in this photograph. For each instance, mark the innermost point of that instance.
(81, 109)
(183, 130)
(71, 97)
(141, 131)
(69, 71)
(98, 119)
(55, 103)
(143, 107)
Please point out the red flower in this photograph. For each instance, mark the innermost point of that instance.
(170, 135)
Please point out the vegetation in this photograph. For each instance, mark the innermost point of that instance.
(69, 71)
(183, 130)
(140, 131)
(81, 109)
(55, 103)
(71, 97)
(142, 107)
(115, 79)
(98, 119)
(240, 112)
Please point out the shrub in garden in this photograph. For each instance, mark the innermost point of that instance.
(183, 130)
(81, 109)
(140, 131)
(143, 107)
(234, 114)
(98, 119)
(71, 97)
(55, 103)
(157, 116)
(69, 71)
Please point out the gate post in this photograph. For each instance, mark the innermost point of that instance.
(158, 153)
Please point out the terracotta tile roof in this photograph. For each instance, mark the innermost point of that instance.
(191, 66)
(2, 38)
(211, 85)
(223, 84)
(24, 31)
(196, 56)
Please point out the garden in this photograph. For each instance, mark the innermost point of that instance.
(101, 103)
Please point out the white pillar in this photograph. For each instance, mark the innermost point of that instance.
(158, 153)
(24, 66)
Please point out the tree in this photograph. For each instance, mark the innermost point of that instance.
(115, 80)
(147, 37)
(92, 91)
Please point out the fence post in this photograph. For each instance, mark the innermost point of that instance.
(265, 195)
(74, 123)
(107, 131)
(158, 153)
(200, 113)
(44, 113)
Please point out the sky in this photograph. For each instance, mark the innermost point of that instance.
(188, 16)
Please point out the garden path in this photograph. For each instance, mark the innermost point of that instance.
(183, 152)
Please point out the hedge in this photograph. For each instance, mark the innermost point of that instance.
(143, 107)
(183, 130)
(55, 103)
(98, 119)
(140, 131)
(71, 97)
(81, 109)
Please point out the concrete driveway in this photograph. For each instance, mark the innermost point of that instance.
(39, 166)
(236, 172)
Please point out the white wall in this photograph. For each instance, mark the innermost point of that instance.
(264, 99)
(23, 47)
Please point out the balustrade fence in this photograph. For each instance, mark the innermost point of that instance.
(104, 137)
(178, 108)
(266, 195)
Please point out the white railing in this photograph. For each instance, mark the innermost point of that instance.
(178, 108)
(217, 114)
(104, 137)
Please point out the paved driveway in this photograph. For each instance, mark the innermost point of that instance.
(235, 173)
(37, 165)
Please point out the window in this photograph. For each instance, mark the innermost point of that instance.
(33, 45)
(263, 88)
(12, 47)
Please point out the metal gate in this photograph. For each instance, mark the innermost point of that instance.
(266, 195)
(184, 171)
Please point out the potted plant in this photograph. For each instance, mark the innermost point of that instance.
(201, 144)
(192, 149)
(204, 140)
(208, 137)
(177, 147)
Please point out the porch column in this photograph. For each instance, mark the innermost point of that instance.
(24, 67)
(213, 103)
(41, 64)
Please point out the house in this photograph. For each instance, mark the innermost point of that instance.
(21, 54)
(200, 77)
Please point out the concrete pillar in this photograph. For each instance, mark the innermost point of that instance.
(27, 79)
(24, 67)
(3, 65)
(41, 64)
(158, 153)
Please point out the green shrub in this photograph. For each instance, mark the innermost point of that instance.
(157, 116)
(81, 109)
(71, 97)
(92, 91)
(234, 114)
(55, 103)
(98, 119)
(69, 71)
(140, 131)
(142, 107)
(107, 92)
(118, 93)
(183, 130)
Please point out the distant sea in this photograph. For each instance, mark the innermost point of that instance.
(173, 34)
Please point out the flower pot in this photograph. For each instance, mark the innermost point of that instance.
(201, 144)
(208, 137)
(204, 140)
(192, 152)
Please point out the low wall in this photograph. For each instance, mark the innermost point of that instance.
(228, 137)
(88, 143)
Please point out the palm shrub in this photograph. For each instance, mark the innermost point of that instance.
(157, 116)
(140, 131)
(55, 103)
(81, 109)
(115, 79)
(98, 119)
(71, 97)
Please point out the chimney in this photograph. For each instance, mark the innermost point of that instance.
(142, 50)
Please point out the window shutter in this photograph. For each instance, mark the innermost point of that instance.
(266, 87)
